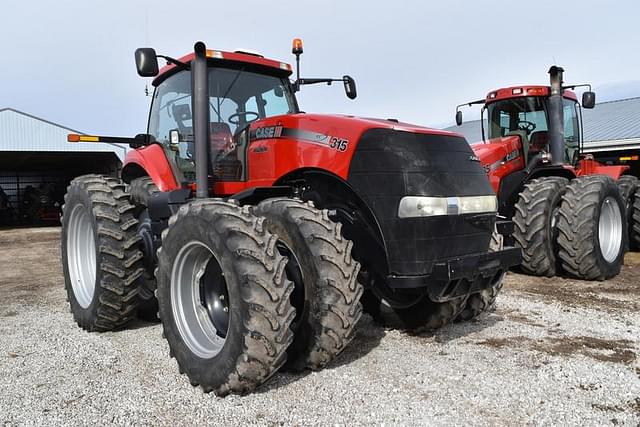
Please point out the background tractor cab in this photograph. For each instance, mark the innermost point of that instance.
(532, 151)
(528, 134)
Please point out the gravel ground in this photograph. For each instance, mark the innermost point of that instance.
(555, 351)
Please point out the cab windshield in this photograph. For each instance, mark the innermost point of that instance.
(237, 97)
(527, 118)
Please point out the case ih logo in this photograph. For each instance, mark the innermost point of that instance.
(268, 132)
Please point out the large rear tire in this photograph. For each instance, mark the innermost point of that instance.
(327, 296)
(100, 256)
(592, 228)
(535, 220)
(628, 186)
(224, 297)
(141, 191)
(485, 300)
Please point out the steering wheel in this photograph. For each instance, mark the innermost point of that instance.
(234, 119)
(526, 126)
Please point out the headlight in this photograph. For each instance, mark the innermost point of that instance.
(419, 206)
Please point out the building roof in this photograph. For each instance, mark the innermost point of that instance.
(608, 121)
(20, 131)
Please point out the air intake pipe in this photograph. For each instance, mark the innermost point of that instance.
(200, 108)
(556, 116)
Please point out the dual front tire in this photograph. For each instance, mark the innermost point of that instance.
(242, 291)
(239, 290)
(578, 227)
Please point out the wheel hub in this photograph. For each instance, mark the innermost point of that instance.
(81, 255)
(200, 300)
(214, 297)
(610, 229)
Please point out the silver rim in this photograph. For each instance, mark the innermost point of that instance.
(610, 229)
(199, 300)
(81, 255)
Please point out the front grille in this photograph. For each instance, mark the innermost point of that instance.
(388, 165)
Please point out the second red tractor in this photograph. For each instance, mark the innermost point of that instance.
(571, 213)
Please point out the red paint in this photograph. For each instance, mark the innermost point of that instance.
(589, 166)
(153, 160)
(507, 93)
(277, 157)
(229, 56)
(493, 157)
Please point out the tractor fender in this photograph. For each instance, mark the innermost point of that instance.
(590, 166)
(150, 161)
(329, 191)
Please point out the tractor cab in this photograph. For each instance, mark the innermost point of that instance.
(240, 92)
(523, 112)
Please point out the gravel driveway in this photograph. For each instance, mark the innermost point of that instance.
(555, 351)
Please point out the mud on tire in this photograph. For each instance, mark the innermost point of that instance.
(141, 190)
(535, 229)
(423, 315)
(635, 223)
(485, 300)
(592, 228)
(245, 260)
(100, 256)
(628, 186)
(327, 292)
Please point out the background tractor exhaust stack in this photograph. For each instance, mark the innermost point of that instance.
(556, 116)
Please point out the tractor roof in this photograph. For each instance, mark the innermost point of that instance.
(521, 91)
(257, 62)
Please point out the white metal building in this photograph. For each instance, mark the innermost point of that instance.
(37, 163)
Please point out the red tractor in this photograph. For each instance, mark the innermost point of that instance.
(258, 227)
(571, 213)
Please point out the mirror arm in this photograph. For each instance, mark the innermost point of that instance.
(301, 82)
(572, 87)
(174, 61)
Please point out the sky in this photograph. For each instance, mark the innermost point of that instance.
(71, 62)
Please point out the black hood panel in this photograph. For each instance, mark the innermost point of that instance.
(390, 164)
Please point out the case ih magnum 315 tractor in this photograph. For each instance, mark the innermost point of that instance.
(258, 226)
(571, 212)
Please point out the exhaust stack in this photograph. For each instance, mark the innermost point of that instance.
(556, 116)
(200, 108)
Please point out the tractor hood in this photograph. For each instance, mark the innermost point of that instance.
(496, 150)
(384, 161)
(499, 155)
(318, 127)
(329, 142)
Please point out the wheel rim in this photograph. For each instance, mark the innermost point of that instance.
(200, 300)
(610, 229)
(81, 255)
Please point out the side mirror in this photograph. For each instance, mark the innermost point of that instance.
(146, 62)
(588, 99)
(350, 87)
(458, 117)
